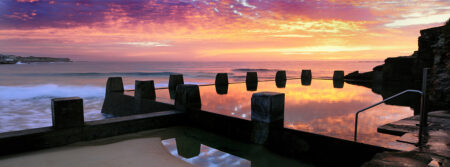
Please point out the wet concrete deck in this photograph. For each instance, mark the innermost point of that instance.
(435, 151)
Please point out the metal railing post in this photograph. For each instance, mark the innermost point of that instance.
(423, 108)
(381, 102)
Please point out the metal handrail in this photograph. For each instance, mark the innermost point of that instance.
(376, 104)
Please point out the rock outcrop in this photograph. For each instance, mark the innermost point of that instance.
(433, 53)
(12, 59)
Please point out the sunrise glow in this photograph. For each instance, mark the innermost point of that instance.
(216, 30)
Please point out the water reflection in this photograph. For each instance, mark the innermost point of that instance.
(251, 86)
(222, 89)
(317, 108)
(193, 152)
(306, 81)
(281, 83)
(338, 83)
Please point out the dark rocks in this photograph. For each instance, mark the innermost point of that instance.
(398, 69)
(367, 76)
(67, 113)
(399, 159)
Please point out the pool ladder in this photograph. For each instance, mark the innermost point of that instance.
(423, 112)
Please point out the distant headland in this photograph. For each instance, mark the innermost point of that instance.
(12, 59)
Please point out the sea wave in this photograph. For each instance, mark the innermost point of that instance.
(50, 91)
(99, 74)
(253, 69)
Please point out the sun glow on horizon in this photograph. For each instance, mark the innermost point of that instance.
(225, 30)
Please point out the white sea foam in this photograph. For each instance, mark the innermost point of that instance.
(50, 90)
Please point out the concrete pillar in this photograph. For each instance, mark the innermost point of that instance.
(114, 84)
(187, 147)
(267, 111)
(252, 77)
(306, 74)
(221, 79)
(280, 76)
(338, 75)
(145, 90)
(187, 97)
(67, 112)
(174, 80)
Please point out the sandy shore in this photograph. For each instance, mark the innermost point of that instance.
(130, 153)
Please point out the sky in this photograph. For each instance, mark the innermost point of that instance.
(216, 30)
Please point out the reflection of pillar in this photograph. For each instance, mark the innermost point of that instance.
(174, 80)
(172, 93)
(187, 147)
(281, 84)
(267, 110)
(338, 83)
(306, 81)
(144, 90)
(221, 79)
(67, 112)
(222, 89)
(187, 97)
(252, 86)
(338, 75)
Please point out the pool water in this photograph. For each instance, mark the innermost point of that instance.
(321, 107)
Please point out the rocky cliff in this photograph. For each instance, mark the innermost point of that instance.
(433, 53)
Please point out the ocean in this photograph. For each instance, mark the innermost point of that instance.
(26, 90)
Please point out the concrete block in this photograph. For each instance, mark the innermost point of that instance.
(67, 112)
(145, 90)
(267, 112)
(306, 74)
(187, 97)
(114, 84)
(267, 107)
(252, 77)
(338, 75)
(174, 80)
(221, 79)
(280, 76)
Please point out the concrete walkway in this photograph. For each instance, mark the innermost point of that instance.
(436, 150)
